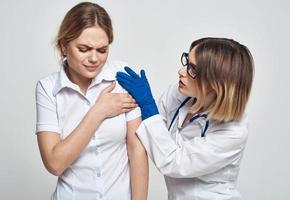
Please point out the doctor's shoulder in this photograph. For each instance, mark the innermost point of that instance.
(237, 130)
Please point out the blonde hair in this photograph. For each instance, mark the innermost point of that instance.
(224, 75)
(80, 17)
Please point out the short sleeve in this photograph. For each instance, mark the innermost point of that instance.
(46, 113)
(119, 66)
(133, 114)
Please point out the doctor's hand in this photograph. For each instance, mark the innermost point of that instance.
(139, 88)
(112, 104)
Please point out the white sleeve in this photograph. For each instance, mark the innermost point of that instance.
(46, 119)
(194, 158)
(133, 114)
(119, 66)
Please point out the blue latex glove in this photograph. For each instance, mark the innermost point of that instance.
(139, 88)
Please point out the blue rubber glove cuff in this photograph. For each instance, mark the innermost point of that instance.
(149, 110)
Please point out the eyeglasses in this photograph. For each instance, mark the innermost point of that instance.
(190, 68)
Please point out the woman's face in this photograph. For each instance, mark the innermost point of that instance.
(87, 54)
(187, 85)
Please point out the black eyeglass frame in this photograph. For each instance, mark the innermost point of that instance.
(190, 67)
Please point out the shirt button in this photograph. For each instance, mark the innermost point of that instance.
(98, 172)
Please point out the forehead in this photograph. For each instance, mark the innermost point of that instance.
(93, 36)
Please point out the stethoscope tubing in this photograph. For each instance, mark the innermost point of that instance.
(192, 119)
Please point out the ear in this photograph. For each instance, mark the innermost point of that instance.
(63, 49)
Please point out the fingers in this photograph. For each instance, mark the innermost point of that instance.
(124, 79)
(129, 105)
(122, 75)
(143, 75)
(131, 72)
(129, 102)
(109, 88)
(122, 98)
(124, 83)
(124, 110)
(126, 98)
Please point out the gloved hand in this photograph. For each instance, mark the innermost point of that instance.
(139, 88)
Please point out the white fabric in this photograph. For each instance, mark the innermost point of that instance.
(102, 169)
(195, 167)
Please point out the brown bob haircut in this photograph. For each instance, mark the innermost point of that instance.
(224, 74)
(80, 17)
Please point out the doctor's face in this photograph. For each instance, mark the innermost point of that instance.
(87, 54)
(187, 82)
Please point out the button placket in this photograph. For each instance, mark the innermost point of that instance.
(97, 168)
(96, 150)
(98, 172)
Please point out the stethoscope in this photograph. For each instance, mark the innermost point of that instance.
(204, 116)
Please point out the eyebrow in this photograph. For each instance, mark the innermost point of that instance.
(89, 47)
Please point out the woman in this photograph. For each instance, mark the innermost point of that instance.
(197, 140)
(85, 122)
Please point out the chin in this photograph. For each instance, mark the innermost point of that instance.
(184, 92)
(181, 90)
(91, 74)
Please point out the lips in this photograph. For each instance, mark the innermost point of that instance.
(181, 83)
(91, 68)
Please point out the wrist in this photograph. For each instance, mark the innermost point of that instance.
(149, 110)
(97, 113)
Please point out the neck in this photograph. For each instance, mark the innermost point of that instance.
(82, 82)
(205, 105)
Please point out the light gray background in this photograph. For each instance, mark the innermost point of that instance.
(150, 34)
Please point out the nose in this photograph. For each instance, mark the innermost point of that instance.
(182, 72)
(93, 58)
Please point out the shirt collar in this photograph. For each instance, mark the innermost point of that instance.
(106, 73)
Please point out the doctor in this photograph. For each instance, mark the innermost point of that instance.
(197, 135)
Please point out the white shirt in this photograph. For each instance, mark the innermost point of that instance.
(102, 170)
(195, 167)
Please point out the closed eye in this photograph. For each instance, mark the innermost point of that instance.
(102, 50)
(83, 50)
